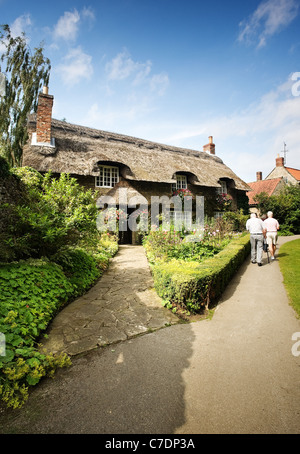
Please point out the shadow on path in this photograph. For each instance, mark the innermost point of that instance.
(134, 387)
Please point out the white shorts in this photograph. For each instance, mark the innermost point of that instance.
(272, 238)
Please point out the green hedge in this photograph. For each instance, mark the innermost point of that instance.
(193, 285)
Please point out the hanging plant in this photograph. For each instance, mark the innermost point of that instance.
(182, 193)
(224, 202)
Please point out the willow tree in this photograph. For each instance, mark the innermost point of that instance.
(25, 74)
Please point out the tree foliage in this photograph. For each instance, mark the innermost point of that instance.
(285, 207)
(26, 73)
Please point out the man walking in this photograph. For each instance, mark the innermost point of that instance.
(257, 232)
(271, 225)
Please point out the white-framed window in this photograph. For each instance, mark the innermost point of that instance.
(218, 214)
(181, 182)
(181, 217)
(108, 177)
(223, 188)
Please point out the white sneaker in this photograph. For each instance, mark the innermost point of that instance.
(272, 258)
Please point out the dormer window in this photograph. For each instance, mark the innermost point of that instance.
(181, 182)
(223, 188)
(108, 177)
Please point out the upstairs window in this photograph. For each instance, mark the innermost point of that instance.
(223, 188)
(108, 177)
(181, 182)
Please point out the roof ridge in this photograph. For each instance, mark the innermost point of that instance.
(139, 141)
(266, 179)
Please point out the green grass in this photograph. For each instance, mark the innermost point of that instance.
(289, 262)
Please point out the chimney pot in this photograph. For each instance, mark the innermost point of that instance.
(45, 90)
(210, 147)
(258, 176)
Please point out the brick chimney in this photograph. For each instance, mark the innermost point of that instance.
(279, 161)
(258, 176)
(43, 117)
(210, 146)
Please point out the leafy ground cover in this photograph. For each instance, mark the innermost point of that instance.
(289, 262)
(32, 293)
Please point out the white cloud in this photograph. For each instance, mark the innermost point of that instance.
(270, 17)
(21, 24)
(249, 140)
(88, 13)
(121, 67)
(77, 66)
(67, 26)
(124, 67)
(159, 83)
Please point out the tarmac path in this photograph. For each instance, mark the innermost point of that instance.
(233, 374)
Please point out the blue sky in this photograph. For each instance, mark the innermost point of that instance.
(176, 71)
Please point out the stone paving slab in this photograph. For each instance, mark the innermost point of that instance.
(122, 305)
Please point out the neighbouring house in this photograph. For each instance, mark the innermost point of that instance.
(271, 187)
(108, 161)
(289, 174)
(280, 176)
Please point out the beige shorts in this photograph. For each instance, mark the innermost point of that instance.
(272, 238)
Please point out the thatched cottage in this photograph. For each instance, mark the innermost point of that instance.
(107, 161)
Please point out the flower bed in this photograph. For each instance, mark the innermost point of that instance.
(190, 271)
(193, 285)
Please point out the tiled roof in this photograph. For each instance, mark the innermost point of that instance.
(257, 187)
(294, 172)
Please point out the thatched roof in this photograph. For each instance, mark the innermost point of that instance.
(79, 149)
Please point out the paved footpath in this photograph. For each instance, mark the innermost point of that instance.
(232, 374)
(120, 306)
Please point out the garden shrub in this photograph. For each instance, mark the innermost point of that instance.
(237, 218)
(32, 293)
(31, 177)
(109, 243)
(79, 266)
(192, 284)
(55, 212)
(4, 168)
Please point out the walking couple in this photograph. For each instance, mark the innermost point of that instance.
(259, 230)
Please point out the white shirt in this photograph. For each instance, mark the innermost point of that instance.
(255, 225)
(271, 225)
